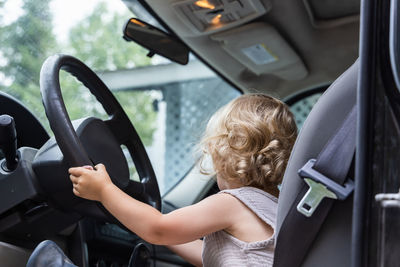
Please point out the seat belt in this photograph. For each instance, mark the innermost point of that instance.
(326, 178)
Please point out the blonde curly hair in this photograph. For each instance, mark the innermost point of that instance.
(249, 141)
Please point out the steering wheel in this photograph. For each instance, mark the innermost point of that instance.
(90, 141)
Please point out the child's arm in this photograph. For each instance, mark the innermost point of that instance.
(180, 226)
(191, 251)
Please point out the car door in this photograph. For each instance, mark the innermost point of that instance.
(376, 206)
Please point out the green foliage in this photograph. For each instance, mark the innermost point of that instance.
(25, 45)
(27, 42)
(96, 40)
(139, 107)
(107, 49)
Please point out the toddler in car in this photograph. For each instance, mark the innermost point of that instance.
(249, 142)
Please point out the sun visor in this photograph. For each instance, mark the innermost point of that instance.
(262, 50)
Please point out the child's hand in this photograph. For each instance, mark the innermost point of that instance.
(88, 183)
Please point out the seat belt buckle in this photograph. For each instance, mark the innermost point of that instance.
(320, 187)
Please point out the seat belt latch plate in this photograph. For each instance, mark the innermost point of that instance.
(309, 203)
(320, 187)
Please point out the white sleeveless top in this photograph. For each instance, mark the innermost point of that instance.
(223, 249)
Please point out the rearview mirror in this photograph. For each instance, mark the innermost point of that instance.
(156, 40)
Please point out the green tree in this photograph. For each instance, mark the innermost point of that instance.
(26, 43)
(107, 49)
(96, 40)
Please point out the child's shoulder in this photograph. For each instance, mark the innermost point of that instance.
(261, 203)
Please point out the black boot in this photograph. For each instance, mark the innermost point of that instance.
(48, 254)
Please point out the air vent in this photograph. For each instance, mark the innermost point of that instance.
(207, 16)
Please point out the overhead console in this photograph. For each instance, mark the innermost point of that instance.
(209, 16)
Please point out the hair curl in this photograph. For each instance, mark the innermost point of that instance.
(250, 140)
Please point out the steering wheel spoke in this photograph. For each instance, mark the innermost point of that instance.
(120, 129)
(141, 190)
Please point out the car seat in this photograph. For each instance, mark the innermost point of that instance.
(332, 245)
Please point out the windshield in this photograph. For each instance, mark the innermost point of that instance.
(167, 103)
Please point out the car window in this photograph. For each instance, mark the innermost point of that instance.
(302, 107)
(168, 104)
